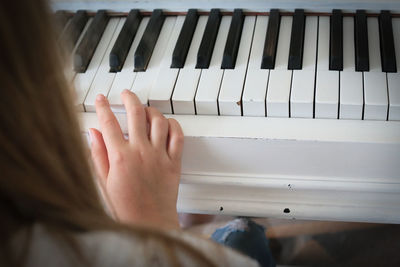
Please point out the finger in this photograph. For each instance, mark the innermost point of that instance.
(112, 133)
(136, 116)
(99, 154)
(175, 141)
(158, 129)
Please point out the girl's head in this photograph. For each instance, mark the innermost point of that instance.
(45, 176)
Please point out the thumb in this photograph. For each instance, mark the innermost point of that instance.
(99, 154)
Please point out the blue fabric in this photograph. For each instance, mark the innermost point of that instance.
(247, 237)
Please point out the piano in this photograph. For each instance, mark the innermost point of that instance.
(290, 109)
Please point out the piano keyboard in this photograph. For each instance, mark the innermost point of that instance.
(276, 65)
(309, 103)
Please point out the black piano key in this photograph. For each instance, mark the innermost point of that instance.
(361, 41)
(297, 41)
(74, 29)
(208, 41)
(233, 40)
(61, 18)
(271, 40)
(88, 45)
(185, 38)
(336, 41)
(388, 55)
(148, 42)
(124, 41)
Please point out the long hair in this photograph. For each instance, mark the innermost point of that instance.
(45, 175)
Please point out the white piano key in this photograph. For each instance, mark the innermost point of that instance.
(394, 96)
(188, 78)
(394, 78)
(375, 85)
(84, 80)
(104, 78)
(255, 88)
(144, 80)
(160, 93)
(375, 96)
(124, 79)
(280, 77)
(351, 87)
(351, 95)
(210, 79)
(303, 81)
(69, 71)
(230, 94)
(327, 82)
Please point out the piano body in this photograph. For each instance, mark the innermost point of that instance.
(315, 136)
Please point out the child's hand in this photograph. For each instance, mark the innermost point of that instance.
(140, 176)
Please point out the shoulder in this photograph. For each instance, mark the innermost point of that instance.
(107, 248)
(220, 255)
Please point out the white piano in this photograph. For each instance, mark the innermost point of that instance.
(320, 141)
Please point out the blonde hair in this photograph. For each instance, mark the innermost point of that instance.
(45, 174)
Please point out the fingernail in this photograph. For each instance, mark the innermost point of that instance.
(125, 91)
(100, 97)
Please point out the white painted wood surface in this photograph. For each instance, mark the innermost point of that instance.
(343, 170)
